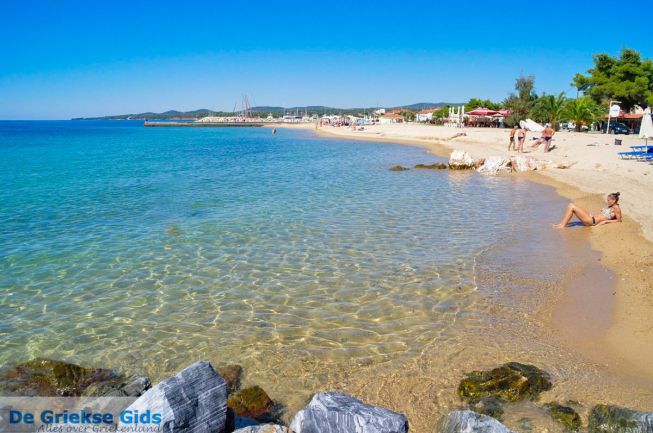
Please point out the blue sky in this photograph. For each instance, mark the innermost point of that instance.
(62, 59)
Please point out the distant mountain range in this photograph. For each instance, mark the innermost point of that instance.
(264, 111)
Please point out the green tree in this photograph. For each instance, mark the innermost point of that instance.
(550, 108)
(582, 111)
(521, 101)
(478, 103)
(408, 115)
(626, 78)
(441, 112)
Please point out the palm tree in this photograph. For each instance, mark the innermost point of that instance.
(581, 111)
(551, 108)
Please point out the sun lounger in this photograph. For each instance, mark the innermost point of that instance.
(637, 154)
(631, 155)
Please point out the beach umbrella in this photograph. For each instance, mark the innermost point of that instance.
(646, 130)
(481, 111)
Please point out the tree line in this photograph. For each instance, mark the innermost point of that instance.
(627, 78)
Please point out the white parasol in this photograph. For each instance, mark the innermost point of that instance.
(646, 130)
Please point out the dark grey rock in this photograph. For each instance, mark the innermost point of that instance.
(467, 421)
(263, 428)
(193, 401)
(613, 419)
(335, 412)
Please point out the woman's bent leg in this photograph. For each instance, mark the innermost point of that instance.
(583, 215)
(580, 213)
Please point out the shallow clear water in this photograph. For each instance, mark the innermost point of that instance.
(150, 248)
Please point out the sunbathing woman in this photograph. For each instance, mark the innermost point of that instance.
(610, 214)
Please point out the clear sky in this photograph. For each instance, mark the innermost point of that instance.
(62, 59)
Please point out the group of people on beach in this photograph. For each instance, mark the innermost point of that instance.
(518, 131)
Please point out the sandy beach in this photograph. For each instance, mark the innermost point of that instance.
(613, 327)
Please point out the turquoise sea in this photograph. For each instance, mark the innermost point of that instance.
(291, 254)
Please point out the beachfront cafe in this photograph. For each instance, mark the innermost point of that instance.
(485, 118)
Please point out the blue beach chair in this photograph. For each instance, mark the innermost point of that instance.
(638, 154)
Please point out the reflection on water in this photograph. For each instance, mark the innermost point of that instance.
(302, 258)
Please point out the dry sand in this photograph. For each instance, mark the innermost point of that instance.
(612, 327)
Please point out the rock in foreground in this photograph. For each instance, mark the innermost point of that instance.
(511, 382)
(334, 412)
(467, 421)
(613, 419)
(263, 428)
(193, 401)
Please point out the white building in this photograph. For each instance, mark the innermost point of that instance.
(425, 115)
(391, 118)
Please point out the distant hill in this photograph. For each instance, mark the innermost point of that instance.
(262, 111)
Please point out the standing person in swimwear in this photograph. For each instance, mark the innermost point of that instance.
(610, 214)
(511, 143)
(521, 137)
(547, 135)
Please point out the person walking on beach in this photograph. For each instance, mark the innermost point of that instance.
(521, 137)
(546, 137)
(511, 143)
(610, 214)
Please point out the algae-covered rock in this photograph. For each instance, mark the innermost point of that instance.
(397, 168)
(467, 421)
(49, 378)
(613, 419)
(436, 166)
(490, 406)
(511, 382)
(565, 415)
(252, 402)
(231, 374)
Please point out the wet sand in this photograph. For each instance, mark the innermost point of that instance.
(592, 328)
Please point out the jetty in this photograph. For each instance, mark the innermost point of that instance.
(208, 124)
